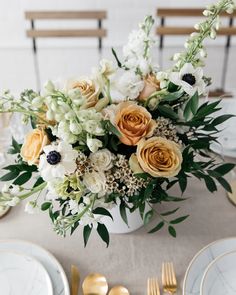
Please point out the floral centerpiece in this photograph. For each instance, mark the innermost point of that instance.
(125, 135)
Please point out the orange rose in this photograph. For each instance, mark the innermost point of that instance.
(88, 90)
(151, 85)
(33, 146)
(134, 123)
(159, 157)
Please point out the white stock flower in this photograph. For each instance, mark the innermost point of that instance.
(95, 182)
(130, 85)
(31, 207)
(93, 144)
(190, 79)
(102, 159)
(57, 161)
(64, 132)
(13, 202)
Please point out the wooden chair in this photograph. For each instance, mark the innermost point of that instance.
(34, 33)
(227, 31)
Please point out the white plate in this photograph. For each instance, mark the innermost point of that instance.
(53, 267)
(202, 259)
(219, 277)
(22, 274)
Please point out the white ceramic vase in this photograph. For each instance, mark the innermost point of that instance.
(118, 226)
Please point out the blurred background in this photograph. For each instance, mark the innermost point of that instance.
(69, 57)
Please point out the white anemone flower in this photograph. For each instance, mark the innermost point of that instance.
(190, 79)
(57, 161)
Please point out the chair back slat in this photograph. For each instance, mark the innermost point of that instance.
(66, 33)
(37, 15)
(185, 12)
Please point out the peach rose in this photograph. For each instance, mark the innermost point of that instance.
(159, 157)
(151, 85)
(134, 122)
(33, 145)
(88, 90)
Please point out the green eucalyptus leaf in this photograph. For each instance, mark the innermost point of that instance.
(102, 211)
(116, 58)
(167, 111)
(172, 231)
(38, 182)
(148, 216)
(10, 176)
(224, 168)
(170, 212)
(179, 219)
(103, 233)
(23, 178)
(45, 206)
(219, 120)
(225, 184)
(157, 228)
(86, 234)
(123, 212)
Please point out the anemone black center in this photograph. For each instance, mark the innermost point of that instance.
(189, 78)
(53, 157)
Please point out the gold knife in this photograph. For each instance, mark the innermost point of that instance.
(75, 280)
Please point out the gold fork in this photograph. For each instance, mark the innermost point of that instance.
(153, 287)
(169, 281)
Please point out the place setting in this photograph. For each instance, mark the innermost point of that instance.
(93, 159)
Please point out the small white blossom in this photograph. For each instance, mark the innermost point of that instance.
(31, 207)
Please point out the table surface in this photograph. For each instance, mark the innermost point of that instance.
(132, 258)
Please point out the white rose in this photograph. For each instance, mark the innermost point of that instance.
(102, 159)
(93, 144)
(95, 182)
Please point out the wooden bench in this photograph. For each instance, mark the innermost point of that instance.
(166, 30)
(34, 33)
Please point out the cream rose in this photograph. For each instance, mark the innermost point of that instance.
(102, 159)
(134, 122)
(95, 182)
(151, 85)
(88, 90)
(159, 157)
(33, 146)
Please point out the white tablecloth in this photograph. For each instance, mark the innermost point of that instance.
(131, 259)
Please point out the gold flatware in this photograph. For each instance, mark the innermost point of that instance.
(95, 283)
(75, 280)
(118, 290)
(169, 281)
(153, 287)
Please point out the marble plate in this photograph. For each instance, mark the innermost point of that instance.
(220, 150)
(200, 262)
(53, 267)
(219, 277)
(22, 274)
